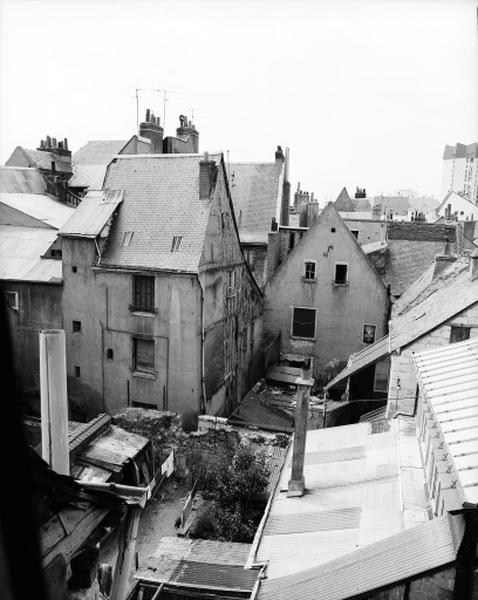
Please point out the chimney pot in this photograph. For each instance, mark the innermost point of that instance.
(42, 143)
(65, 143)
(146, 118)
(53, 142)
(48, 141)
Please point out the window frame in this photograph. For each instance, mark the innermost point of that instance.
(310, 262)
(346, 281)
(374, 333)
(301, 337)
(143, 306)
(76, 326)
(139, 369)
(454, 328)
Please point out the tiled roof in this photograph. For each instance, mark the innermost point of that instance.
(91, 160)
(92, 214)
(41, 207)
(256, 196)
(21, 180)
(161, 200)
(20, 254)
(448, 379)
(343, 202)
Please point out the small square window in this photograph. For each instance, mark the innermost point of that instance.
(459, 334)
(309, 273)
(341, 274)
(303, 322)
(76, 326)
(74, 269)
(368, 334)
(77, 372)
(332, 230)
(143, 355)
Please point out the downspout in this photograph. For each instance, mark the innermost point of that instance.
(202, 405)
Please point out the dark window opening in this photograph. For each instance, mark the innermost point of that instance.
(341, 274)
(77, 371)
(74, 269)
(55, 253)
(76, 326)
(143, 355)
(303, 322)
(144, 405)
(176, 243)
(309, 270)
(143, 293)
(459, 334)
(368, 335)
(355, 233)
(332, 229)
(109, 354)
(291, 241)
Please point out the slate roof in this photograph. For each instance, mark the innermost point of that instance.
(21, 180)
(256, 195)
(343, 202)
(361, 204)
(92, 214)
(91, 160)
(40, 159)
(39, 206)
(20, 254)
(161, 200)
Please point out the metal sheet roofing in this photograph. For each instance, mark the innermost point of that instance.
(94, 212)
(396, 558)
(114, 448)
(256, 195)
(161, 200)
(43, 208)
(448, 379)
(360, 489)
(362, 359)
(21, 249)
(21, 180)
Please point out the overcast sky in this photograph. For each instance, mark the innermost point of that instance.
(363, 92)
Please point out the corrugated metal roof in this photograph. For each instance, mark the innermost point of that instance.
(22, 180)
(214, 576)
(401, 556)
(114, 448)
(40, 207)
(256, 196)
(362, 359)
(92, 214)
(161, 200)
(448, 379)
(21, 249)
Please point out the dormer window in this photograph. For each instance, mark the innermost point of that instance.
(310, 270)
(176, 243)
(127, 237)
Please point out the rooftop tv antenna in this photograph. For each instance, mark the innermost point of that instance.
(165, 99)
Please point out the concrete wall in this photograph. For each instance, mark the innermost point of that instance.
(369, 230)
(341, 310)
(403, 382)
(39, 308)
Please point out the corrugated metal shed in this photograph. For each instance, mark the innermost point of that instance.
(40, 207)
(94, 212)
(399, 557)
(448, 379)
(21, 249)
(21, 180)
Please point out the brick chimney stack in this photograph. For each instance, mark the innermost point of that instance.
(187, 131)
(442, 261)
(60, 148)
(151, 128)
(207, 177)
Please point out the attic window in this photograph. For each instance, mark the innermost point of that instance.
(128, 236)
(176, 243)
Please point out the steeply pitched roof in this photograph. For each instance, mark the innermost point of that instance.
(256, 195)
(40, 159)
(39, 206)
(451, 196)
(21, 180)
(343, 202)
(21, 249)
(161, 200)
(92, 214)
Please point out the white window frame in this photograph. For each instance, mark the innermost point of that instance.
(298, 337)
(343, 264)
(314, 262)
(374, 333)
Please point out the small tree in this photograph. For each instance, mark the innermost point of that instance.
(237, 493)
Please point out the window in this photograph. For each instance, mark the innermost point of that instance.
(303, 322)
(459, 334)
(380, 380)
(109, 354)
(368, 335)
(11, 298)
(76, 326)
(341, 274)
(127, 237)
(77, 371)
(74, 269)
(143, 293)
(332, 230)
(176, 243)
(231, 280)
(355, 233)
(56, 253)
(309, 272)
(143, 355)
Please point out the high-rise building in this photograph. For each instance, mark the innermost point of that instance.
(460, 170)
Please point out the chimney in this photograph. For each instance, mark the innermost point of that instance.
(188, 133)
(474, 265)
(279, 155)
(442, 261)
(54, 402)
(296, 484)
(207, 177)
(150, 128)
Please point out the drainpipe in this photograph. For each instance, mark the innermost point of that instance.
(54, 400)
(296, 485)
(202, 406)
